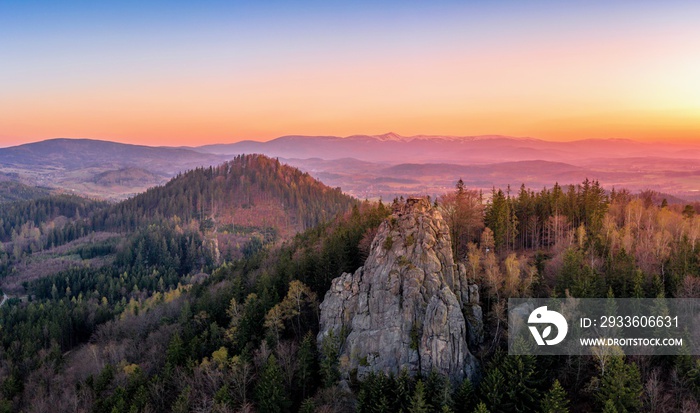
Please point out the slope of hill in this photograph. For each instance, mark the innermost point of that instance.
(249, 195)
(94, 168)
(15, 191)
(81, 153)
(129, 176)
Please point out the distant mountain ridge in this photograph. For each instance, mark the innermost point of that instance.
(367, 166)
(394, 148)
(82, 153)
(98, 168)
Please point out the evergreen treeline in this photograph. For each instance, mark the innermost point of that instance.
(531, 220)
(42, 223)
(36, 212)
(11, 190)
(526, 220)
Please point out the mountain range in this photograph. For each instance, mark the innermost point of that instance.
(368, 166)
(393, 148)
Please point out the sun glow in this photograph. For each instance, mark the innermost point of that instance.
(232, 73)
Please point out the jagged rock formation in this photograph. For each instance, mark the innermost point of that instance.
(405, 308)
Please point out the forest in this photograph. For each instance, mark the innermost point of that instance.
(171, 324)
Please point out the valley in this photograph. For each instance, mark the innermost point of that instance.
(366, 167)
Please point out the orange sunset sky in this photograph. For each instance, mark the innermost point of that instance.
(177, 74)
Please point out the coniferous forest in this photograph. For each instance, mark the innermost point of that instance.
(203, 295)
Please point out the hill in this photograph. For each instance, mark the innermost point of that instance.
(129, 176)
(71, 154)
(224, 212)
(16, 191)
(99, 168)
(250, 196)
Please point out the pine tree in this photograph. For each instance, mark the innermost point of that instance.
(418, 403)
(609, 407)
(270, 393)
(497, 217)
(555, 401)
(176, 353)
(380, 389)
(182, 403)
(492, 387)
(383, 405)
(437, 390)
(307, 372)
(329, 359)
(692, 379)
(364, 402)
(522, 394)
(402, 392)
(481, 408)
(620, 384)
(464, 397)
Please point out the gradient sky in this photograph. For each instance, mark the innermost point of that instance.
(191, 73)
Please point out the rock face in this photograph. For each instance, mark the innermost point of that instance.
(405, 308)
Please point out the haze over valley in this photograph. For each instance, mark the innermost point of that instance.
(372, 167)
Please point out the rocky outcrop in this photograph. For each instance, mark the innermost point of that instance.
(406, 307)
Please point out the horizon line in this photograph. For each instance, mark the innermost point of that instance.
(405, 138)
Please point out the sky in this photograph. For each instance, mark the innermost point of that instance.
(192, 73)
